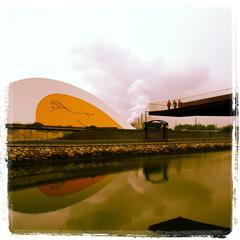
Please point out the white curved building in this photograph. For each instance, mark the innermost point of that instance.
(57, 103)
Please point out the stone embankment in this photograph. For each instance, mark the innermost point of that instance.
(24, 153)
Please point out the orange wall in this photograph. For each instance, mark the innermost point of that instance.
(64, 110)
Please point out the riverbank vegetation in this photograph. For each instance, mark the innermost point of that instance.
(201, 127)
(180, 131)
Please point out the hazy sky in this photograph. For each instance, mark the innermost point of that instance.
(126, 53)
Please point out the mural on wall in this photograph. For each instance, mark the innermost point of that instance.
(56, 103)
(65, 110)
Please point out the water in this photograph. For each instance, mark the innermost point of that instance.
(154, 189)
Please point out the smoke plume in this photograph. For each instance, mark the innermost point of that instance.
(138, 98)
(127, 83)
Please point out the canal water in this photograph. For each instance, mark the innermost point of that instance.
(197, 186)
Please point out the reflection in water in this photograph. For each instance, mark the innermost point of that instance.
(156, 174)
(51, 197)
(68, 187)
(199, 188)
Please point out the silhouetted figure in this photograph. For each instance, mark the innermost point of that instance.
(169, 104)
(180, 104)
(174, 104)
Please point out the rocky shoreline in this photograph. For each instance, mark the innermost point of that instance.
(40, 153)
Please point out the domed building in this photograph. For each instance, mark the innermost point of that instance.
(56, 103)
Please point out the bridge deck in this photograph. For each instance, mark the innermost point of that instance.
(213, 106)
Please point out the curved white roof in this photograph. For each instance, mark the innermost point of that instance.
(25, 94)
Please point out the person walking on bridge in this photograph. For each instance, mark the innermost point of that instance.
(179, 103)
(174, 104)
(169, 104)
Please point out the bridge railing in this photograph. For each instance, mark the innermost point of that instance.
(158, 106)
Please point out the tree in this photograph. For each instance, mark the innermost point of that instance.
(227, 128)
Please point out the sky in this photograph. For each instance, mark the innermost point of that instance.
(128, 54)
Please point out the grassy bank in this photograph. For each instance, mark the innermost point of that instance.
(102, 134)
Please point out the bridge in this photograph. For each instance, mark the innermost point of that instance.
(218, 103)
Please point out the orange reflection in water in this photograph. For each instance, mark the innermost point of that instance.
(68, 187)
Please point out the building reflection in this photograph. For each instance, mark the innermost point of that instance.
(68, 187)
(156, 173)
(55, 196)
(60, 194)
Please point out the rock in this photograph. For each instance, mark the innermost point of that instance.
(71, 154)
(12, 156)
